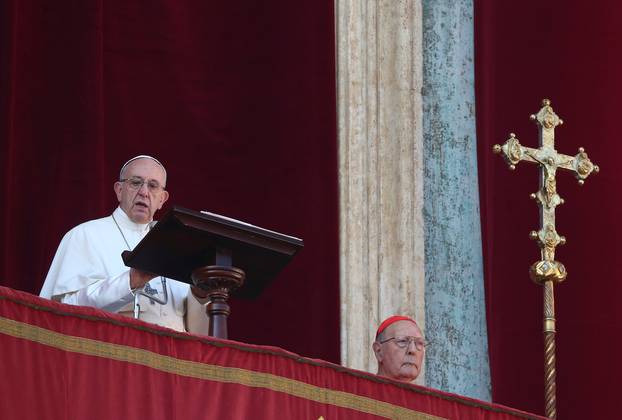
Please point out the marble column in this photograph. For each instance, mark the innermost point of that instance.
(379, 70)
(457, 361)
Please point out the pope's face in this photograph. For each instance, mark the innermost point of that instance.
(402, 364)
(141, 202)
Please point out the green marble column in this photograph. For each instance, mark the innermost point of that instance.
(457, 361)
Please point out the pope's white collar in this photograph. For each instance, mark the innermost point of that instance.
(125, 222)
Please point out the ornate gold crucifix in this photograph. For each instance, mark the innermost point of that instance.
(547, 272)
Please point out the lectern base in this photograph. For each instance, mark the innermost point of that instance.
(218, 281)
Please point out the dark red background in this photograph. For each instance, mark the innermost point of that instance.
(568, 52)
(236, 98)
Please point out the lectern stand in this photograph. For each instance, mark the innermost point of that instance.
(216, 253)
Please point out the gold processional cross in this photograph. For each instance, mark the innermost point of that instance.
(547, 272)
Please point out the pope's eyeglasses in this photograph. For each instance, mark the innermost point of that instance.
(136, 183)
(404, 342)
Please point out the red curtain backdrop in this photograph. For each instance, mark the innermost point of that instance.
(68, 362)
(236, 98)
(568, 52)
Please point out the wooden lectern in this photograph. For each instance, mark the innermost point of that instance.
(215, 253)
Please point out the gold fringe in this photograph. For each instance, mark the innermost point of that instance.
(205, 371)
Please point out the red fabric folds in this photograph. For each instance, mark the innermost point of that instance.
(74, 362)
(568, 52)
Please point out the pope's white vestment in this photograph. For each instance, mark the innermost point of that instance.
(88, 270)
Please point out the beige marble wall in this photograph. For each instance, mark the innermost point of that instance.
(379, 69)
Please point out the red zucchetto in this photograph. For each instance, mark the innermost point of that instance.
(391, 320)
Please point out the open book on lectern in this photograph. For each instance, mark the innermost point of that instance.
(184, 240)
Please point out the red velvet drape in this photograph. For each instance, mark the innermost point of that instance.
(568, 52)
(83, 363)
(236, 98)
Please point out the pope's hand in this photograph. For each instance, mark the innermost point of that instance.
(139, 278)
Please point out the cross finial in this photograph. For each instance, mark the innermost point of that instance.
(549, 160)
